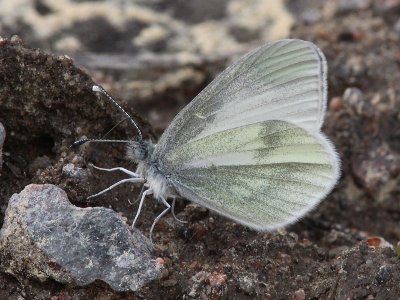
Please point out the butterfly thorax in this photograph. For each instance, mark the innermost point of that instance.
(141, 152)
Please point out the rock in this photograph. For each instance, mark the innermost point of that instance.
(383, 275)
(376, 170)
(299, 295)
(44, 236)
(377, 241)
(307, 12)
(198, 281)
(347, 6)
(355, 103)
(377, 266)
(2, 138)
(396, 27)
(247, 285)
(208, 286)
(72, 171)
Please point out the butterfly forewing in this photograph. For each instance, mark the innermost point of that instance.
(284, 80)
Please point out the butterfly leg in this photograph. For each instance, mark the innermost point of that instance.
(173, 211)
(160, 215)
(141, 180)
(144, 186)
(130, 173)
(145, 193)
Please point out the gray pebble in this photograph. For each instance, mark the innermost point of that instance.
(383, 275)
(396, 27)
(353, 5)
(311, 15)
(247, 285)
(45, 236)
(354, 102)
(72, 171)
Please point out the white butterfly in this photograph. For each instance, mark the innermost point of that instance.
(249, 146)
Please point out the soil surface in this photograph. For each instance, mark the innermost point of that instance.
(155, 56)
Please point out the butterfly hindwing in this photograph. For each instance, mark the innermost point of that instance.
(263, 175)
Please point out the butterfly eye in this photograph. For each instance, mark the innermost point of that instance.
(140, 153)
(137, 151)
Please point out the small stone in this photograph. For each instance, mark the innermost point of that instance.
(311, 15)
(72, 171)
(299, 295)
(208, 286)
(76, 159)
(376, 170)
(2, 138)
(3, 41)
(198, 281)
(16, 40)
(352, 5)
(55, 239)
(160, 261)
(377, 241)
(336, 104)
(383, 275)
(396, 27)
(353, 100)
(247, 285)
(217, 279)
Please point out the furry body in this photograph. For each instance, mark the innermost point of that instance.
(141, 152)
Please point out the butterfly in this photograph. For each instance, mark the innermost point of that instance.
(249, 146)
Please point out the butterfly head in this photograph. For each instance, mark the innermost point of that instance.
(139, 150)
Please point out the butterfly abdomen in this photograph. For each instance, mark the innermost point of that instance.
(156, 179)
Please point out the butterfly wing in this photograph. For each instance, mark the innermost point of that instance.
(263, 175)
(249, 145)
(283, 80)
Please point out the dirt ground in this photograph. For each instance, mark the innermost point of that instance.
(335, 252)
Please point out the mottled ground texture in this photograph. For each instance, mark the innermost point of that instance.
(156, 56)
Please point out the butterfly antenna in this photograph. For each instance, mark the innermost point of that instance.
(108, 132)
(99, 89)
(84, 141)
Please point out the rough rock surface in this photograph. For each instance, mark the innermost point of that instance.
(44, 236)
